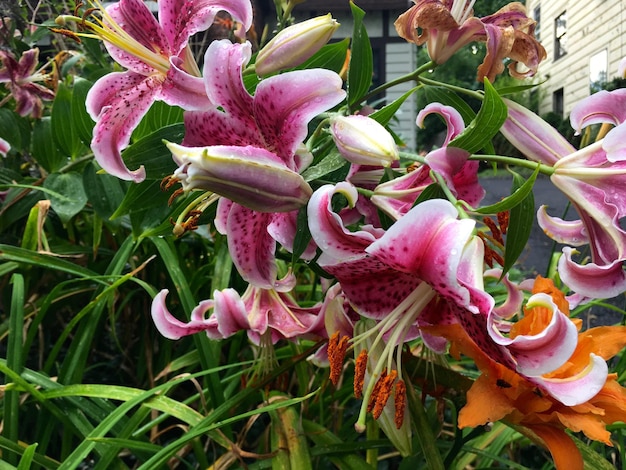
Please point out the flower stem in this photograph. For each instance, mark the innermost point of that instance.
(415, 75)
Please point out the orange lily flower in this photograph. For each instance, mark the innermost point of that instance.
(500, 393)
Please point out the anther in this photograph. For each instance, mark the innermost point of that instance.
(384, 394)
(495, 231)
(377, 387)
(400, 403)
(336, 352)
(503, 221)
(359, 373)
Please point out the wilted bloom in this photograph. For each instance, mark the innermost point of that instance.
(363, 141)
(273, 121)
(397, 196)
(246, 175)
(294, 45)
(21, 79)
(448, 25)
(593, 178)
(159, 62)
(595, 398)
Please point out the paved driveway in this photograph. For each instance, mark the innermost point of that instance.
(538, 252)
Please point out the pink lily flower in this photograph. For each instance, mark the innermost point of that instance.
(160, 67)
(426, 269)
(448, 25)
(272, 122)
(593, 178)
(21, 79)
(266, 315)
(396, 197)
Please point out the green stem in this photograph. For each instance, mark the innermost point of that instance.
(425, 435)
(543, 169)
(474, 94)
(519, 162)
(415, 75)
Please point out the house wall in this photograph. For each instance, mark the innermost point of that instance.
(592, 26)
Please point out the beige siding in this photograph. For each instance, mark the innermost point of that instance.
(401, 60)
(592, 25)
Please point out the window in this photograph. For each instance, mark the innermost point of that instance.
(557, 102)
(537, 18)
(560, 35)
(598, 70)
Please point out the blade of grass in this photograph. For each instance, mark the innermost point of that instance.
(11, 417)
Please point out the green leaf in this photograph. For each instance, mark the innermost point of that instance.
(81, 120)
(332, 162)
(331, 57)
(70, 185)
(141, 197)
(520, 224)
(105, 192)
(432, 191)
(303, 235)
(151, 152)
(27, 257)
(27, 457)
(486, 125)
(384, 115)
(9, 128)
(159, 115)
(514, 199)
(361, 60)
(15, 362)
(65, 134)
(45, 150)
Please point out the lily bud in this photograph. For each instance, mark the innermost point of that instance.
(363, 141)
(295, 44)
(250, 176)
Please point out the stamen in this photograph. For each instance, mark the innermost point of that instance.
(67, 33)
(400, 403)
(503, 221)
(374, 395)
(359, 373)
(336, 352)
(384, 394)
(497, 235)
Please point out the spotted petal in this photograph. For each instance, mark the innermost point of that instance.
(181, 19)
(251, 246)
(117, 102)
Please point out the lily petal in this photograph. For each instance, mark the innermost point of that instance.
(545, 351)
(569, 232)
(251, 246)
(117, 102)
(534, 137)
(578, 388)
(327, 228)
(592, 280)
(181, 19)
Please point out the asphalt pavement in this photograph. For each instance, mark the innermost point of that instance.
(538, 253)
